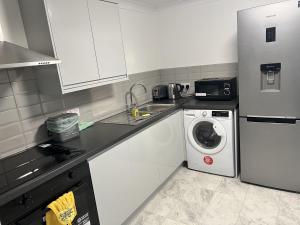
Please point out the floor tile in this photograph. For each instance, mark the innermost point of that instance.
(146, 218)
(207, 181)
(172, 222)
(161, 205)
(195, 198)
(233, 187)
(289, 209)
(186, 213)
(224, 209)
(261, 207)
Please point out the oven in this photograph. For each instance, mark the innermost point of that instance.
(30, 208)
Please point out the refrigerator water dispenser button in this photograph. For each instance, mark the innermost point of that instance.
(271, 78)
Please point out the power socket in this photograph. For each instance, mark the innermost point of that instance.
(185, 85)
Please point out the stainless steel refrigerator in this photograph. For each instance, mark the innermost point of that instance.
(269, 92)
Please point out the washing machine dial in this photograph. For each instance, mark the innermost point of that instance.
(204, 113)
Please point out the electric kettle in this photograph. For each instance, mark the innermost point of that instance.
(174, 91)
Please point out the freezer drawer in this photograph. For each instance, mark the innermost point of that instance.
(270, 153)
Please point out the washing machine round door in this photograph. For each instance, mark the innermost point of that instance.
(207, 135)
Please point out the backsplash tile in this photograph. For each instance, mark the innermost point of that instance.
(12, 145)
(53, 106)
(3, 76)
(10, 130)
(30, 111)
(7, 103)
(27, 86)
(21, 74)
(5, 90)
(33, 123)
(9, 116)
(27, 99)
(23, 110)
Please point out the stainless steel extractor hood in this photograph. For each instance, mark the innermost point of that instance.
(14, 56)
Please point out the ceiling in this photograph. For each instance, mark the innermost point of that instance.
(163, 3)
(159, 3)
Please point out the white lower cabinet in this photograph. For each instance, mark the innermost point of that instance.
(126, 175)
(169, 143)
(143, 164)
(113, 184)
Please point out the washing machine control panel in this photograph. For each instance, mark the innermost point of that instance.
(220, 113)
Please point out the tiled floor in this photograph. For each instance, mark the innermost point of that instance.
(194, 198)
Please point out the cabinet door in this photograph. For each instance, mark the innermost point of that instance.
(113, 185)
(73, 41)
(105, 20)
(169, 145)
(143, 162)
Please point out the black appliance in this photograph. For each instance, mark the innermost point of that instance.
(160, 92)
(216, 89)
(29, 208)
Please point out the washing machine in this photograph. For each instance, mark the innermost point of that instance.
(210, 141)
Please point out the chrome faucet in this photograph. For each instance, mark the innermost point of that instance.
(131, 94)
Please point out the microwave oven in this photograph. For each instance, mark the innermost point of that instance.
(218, 89)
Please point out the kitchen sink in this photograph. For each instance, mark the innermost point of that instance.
(146, 112)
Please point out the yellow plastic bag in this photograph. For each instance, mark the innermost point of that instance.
(62, 211)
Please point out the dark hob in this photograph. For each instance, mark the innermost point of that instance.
(22, 167)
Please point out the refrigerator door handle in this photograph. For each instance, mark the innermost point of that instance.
(260, 119)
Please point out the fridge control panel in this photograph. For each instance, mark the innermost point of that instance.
(271, 34)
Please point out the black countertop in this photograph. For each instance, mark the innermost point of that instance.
(96, 140)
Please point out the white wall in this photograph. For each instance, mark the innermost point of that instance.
(201, 33)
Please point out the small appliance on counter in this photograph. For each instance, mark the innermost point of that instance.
(160, 92)
(174, 90)
(216, 89)
(63, 127)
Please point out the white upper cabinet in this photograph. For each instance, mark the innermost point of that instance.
(106, 27)
(73, 40)
(84, 34)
